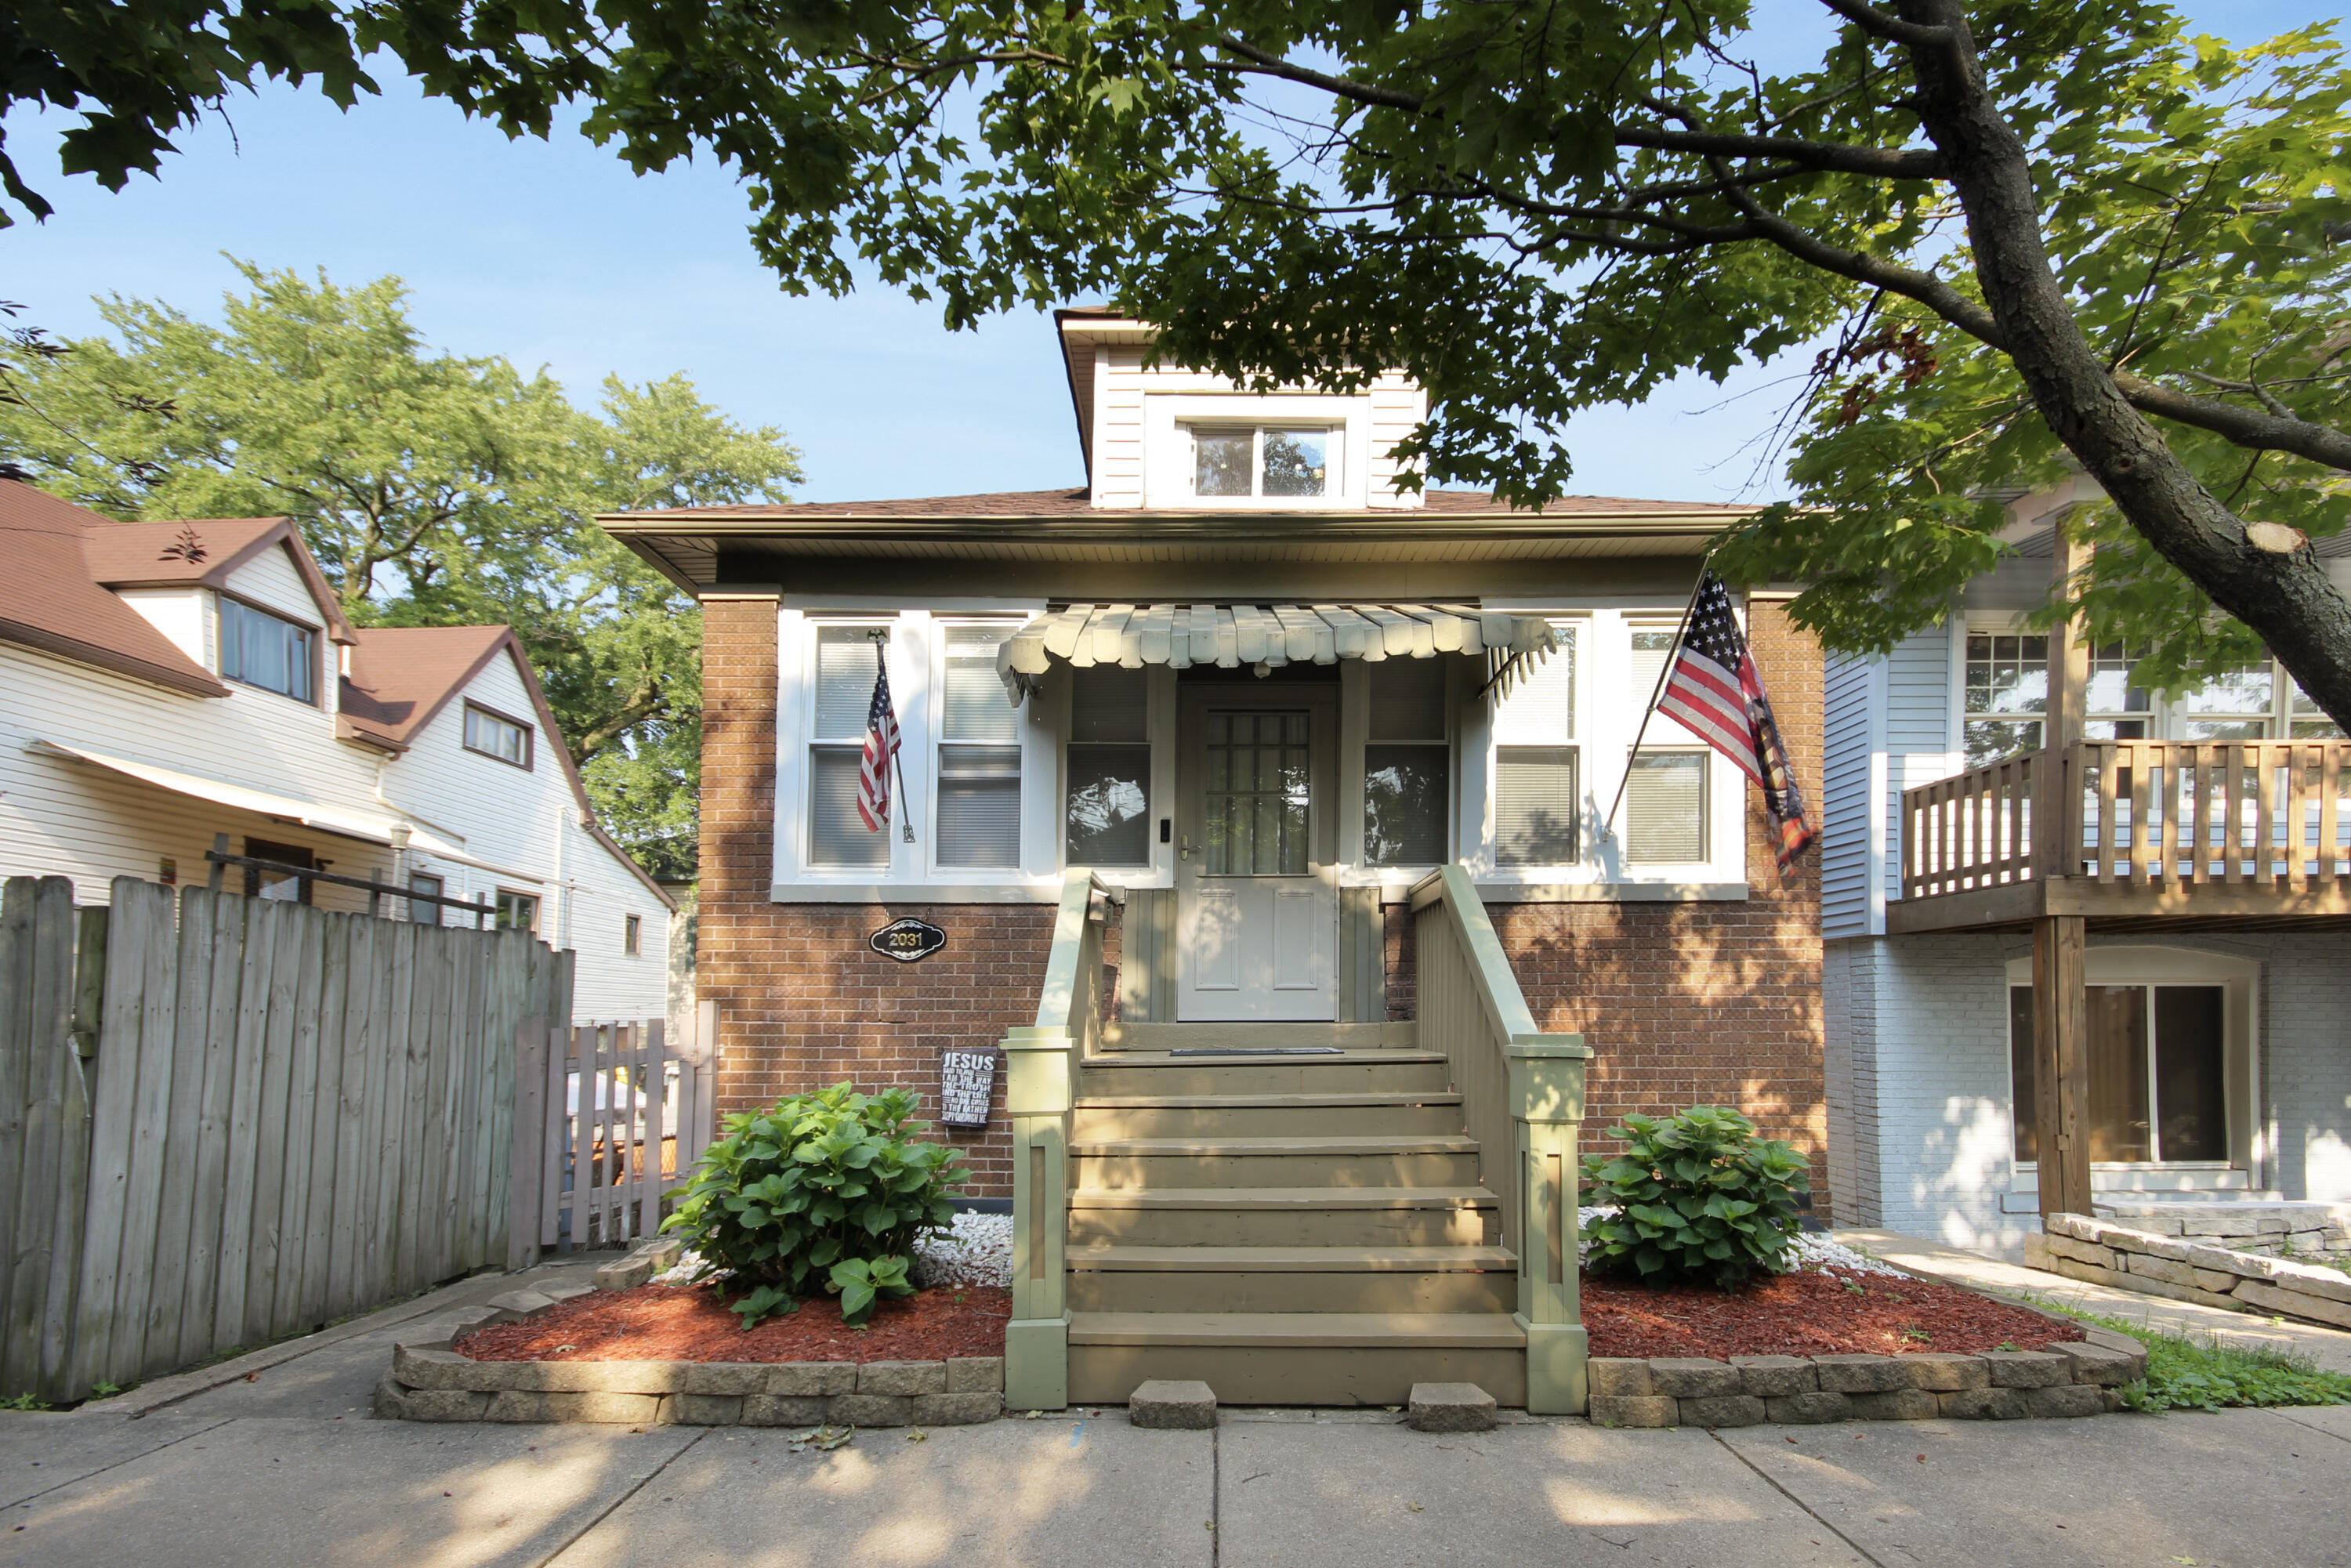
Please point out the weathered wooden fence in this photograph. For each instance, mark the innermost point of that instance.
(239, 1118)
(612, 1121)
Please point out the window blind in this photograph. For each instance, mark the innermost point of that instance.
(976, 706)
(1665, 809)
(979, 806)
(1536, 805)
(837, 834)
(1541, 709)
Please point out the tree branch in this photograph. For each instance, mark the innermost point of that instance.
(2240, 426)
(1835, 157)
(1870, 19)
(1337, 87)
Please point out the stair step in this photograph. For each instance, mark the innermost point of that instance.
(1162, 1058)
(1282, 1198)
(1382, 1143)
(1270, 1099)
(1294, 1259)
(1276, 1330)
(1124, 1036)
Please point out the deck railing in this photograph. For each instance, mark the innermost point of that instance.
(1523, 1096)
(1042, 1064)
(2171, 814)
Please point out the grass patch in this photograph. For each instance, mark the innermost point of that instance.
(2183, 1374)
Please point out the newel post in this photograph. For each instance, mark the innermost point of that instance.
(1547, 1104)
(1037, 1096)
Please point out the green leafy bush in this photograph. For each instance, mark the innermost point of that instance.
(1697, 1198)
(2183, 1374)
(818, 1193)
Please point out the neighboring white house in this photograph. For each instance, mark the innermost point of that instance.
(2218, 1059)
(164, 682)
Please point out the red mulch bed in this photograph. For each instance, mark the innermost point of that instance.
(691, 1323)
(1807, 1313)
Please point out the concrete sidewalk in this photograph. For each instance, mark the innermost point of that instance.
(273, 1460)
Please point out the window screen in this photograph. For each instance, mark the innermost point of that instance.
(979, 754)
(1535, 805)
(1664, 808)
(845, 668)
(1106, 814)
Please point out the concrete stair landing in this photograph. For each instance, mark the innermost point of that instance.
(1289, 1213)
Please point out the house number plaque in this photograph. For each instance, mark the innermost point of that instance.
(908, 941)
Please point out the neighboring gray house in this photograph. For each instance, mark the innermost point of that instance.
(2217, 1003)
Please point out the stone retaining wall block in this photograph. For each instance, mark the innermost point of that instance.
(425, 1366)
(783, 1410)
(869, 1409)
(805, 1378)
(1619, 1377)
(1449, 1408)
(966, 1409)
(1171, 1404)
(903, 1378)
(2097, 1363)
(1807, 1409)
(1982, 1405)
(1723, 1410)
(513, 1306)
(976, 1374)
(520, 1405)
(2027, 1368)
(736, 1378)
(1899, 1405)
(1693, 1377)
(1944, 1371)
(1770, 1376)
(2300, 1305)
(567, 1293)
(708, 1409)
(1860, 1374)
(1634, 1409)
(625, 1275)
(2065, 1400)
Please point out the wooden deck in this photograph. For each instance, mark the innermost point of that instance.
(2133, 835)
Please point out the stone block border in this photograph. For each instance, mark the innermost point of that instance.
(2189, 1268)
(431, 1382)
(2071, 1379)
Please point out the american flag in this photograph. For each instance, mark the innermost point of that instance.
(881, 749)
(1714, 690)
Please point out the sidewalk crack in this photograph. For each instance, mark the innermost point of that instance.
(580, 1534)
(1859, 1550)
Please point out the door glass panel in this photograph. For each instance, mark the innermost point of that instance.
(1255, 793)
(2190, 1097)
(2117, 1065)
(1108, 805)
(1404, 804)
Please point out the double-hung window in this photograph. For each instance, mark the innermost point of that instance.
(1407, 764)
(258, 649)
(1666, 781)
(1538, 791)
(495, 735)
(2007, 694)
(1106, 808)
(1237, 461)
(837, 838)
(980, 754)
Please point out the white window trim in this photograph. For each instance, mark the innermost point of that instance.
(2167, 716)
(1167, 448)
(2148, 964)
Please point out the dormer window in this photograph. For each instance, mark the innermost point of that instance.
(258, 649)
(1239, 461)
(495, 735)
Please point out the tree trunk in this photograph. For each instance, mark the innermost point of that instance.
(2284, 596)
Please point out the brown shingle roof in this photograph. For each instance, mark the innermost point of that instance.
(132, 555)
(50, 601)
(402, 676)
(1080, 503)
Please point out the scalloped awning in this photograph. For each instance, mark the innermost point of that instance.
(1236, 636)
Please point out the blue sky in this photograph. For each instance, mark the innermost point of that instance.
(553, 254)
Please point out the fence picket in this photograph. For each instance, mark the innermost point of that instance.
(244, 1133)
(209, 1165)
(656, 1093)
(356, 1041)
(189, 1014)
(68, 1216)
(17, 1051)
(48, 1046)
(302, 1098)
(384, 1120)
(143, 1195)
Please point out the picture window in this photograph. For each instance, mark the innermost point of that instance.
(1289, 461)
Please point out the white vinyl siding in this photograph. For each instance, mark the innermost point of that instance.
(1847, 819)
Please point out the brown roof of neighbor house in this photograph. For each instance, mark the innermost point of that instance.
(402, 677)
(1080, 503)
(50, 601)
(133, 555)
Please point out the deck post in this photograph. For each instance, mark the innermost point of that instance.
(1037, 1097)
(1547, 1104)
(2061, 1028)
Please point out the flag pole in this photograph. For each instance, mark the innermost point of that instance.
(1656, 689)
(880, 641)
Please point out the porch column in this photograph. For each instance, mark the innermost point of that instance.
(1547, 1104)
(2061, 1019)
(1037, 1098)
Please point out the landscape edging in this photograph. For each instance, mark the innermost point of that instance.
(2189, 1268)
(432, 1381)
(2069, 1379)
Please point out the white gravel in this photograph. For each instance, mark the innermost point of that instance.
(976, 1251)
(1812, 1252)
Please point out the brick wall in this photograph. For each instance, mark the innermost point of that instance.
(1696, 1004)
(803, 1002)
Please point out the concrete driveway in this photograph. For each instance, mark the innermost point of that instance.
(274, 1460)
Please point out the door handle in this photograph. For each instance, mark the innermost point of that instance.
(1183, 849)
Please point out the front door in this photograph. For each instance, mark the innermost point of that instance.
(1257, 907)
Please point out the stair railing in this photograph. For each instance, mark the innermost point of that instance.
(1042, 1063)
(1521, 1090)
